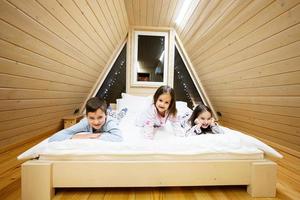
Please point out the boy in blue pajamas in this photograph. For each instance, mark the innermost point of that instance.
(96, 125)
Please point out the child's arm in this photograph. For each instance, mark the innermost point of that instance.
(194, 130)
(111, 132)
(215, 128)
(68, 133)
(178, 130)
(147, 120)
(86, 136)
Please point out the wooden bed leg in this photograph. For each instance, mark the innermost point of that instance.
(37, 181)
(263, 179)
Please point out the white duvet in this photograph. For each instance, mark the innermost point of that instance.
(164, 143)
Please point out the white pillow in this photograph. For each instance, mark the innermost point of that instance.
(183, 109)
(135, 97)
(134, 104)
(120, 104)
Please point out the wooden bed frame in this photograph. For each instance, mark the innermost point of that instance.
(40, 178)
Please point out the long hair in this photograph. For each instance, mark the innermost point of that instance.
(167, 89)
(196, 112)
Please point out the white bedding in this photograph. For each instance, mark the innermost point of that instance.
(165, 146)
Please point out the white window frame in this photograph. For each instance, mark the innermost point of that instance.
(134, 81)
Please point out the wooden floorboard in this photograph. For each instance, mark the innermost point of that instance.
(161, 193)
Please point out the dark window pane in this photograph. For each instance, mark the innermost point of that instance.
(150, 58)
(183, 84)
(115, 82)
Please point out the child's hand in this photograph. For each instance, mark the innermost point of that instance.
(212, 122)
(94, 135)
(198, 123)
(86, 136)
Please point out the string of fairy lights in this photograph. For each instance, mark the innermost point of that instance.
(111, 88)
(182, 78)
(112, 79)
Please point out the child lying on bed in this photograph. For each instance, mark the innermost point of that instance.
(96, 125)
(157, 114)
(201, 122)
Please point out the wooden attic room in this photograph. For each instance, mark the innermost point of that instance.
(241, 58)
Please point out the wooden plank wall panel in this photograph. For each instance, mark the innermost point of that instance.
(52, 53)
(246, 54)
(248, 61)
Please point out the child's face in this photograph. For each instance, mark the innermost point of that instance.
(96, 119)
(163, 102)
(204, 119)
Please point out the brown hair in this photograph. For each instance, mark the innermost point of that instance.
(196, 112)
(94, 103)
(167, 89)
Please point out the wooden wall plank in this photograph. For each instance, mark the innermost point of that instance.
(12, 81)
(23, 122)
(72, 9)
(15, 36)
(129, 11)
(18, 54)
(163, 13)
(290, 78)
(52, 52)
(175, 13)
(91, 20)
(11, 15)
(11, 93)
(244, 49)
(194, 17)
(35, 103)
(223, 22)
(258, 22)
(270, 101)
(122, 18)
(10, 135)
(24, 137)
(277, 110)
(115, 18)
(259, 132)
(272, 56)
(266, 117)
(282, 90)
(217, 10)
(284, 132)
(242, 18)
(19, 69)
(280, 67)
(143, 11)
(157, 11)
(61, 14)
(31, 112)
(44, 18)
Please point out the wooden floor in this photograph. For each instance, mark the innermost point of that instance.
(162, 193)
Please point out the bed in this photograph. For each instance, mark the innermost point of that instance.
(232, 158)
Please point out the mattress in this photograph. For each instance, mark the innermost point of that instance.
(232, 145)
(155, 157)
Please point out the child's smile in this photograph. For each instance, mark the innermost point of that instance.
(204, 119)
(96, 119)
(163, 102)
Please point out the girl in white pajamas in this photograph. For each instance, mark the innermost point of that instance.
(157, 114)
